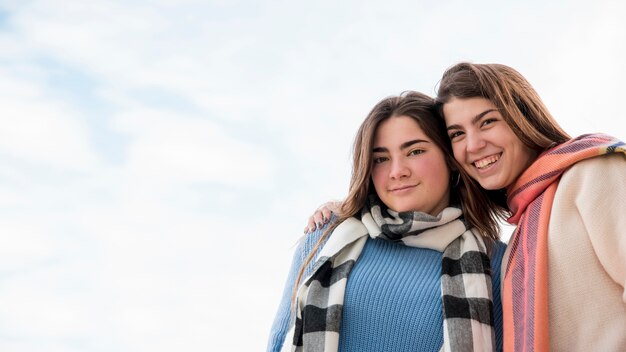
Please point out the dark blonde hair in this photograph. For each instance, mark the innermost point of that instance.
(518, 102)
(420, 108)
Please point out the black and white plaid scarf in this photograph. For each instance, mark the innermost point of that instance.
(465, 277)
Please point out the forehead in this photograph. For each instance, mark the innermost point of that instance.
(464, 110)
(399, 129)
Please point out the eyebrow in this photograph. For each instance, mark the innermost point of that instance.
(402, 146)
(475, 119)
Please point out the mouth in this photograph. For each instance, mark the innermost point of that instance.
(487, 161)
(401, 188)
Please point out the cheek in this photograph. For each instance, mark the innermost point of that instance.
(435, 169)
(457, 151)
(378, 178)
(526, 156)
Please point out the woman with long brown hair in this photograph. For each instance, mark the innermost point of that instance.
(565, 275)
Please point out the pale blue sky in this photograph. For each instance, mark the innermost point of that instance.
(158, 159)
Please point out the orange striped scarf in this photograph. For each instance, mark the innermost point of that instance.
(525, 286)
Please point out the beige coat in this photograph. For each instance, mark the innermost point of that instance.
(587, 257)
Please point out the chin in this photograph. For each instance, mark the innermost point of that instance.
(491, 186)
(402, 209)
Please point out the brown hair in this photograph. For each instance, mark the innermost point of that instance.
(518, 102)
(421, 108)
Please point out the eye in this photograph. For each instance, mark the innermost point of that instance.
(488, 121)
(455, 134)
(416, 152)
(380, 159)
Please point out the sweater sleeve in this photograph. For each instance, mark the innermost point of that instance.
(601, 201)
(284, 315)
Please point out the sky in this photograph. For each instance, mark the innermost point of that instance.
(159, 159)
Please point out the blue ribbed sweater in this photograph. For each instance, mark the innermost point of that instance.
(393, 298)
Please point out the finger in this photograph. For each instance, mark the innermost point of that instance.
(318, 218)
(310, 226)
(326, 213)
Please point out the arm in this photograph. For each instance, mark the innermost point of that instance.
(601, 201)
(284, 315)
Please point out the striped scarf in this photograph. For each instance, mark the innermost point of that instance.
(525, 285)
(465, 277)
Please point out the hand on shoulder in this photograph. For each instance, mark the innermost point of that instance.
(321, 216)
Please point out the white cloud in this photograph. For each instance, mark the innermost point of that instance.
(41, 130)
(174, 146)
(25, 245)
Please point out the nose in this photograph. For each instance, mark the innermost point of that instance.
(474, 142)
(399, 169)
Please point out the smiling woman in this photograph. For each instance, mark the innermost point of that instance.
(566, 197)
(484, 144)
(400, 268)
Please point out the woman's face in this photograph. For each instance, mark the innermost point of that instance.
(409, 171)
(484, 144)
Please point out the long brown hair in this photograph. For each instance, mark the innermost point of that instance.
(421, 108)
(519, 104)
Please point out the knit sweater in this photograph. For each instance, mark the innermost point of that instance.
(587, 258)
(392, 300)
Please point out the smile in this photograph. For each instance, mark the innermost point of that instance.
(485, 162)
(401, 188)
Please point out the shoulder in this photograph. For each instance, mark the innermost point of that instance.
(310, 238)
(592, 192)
(594, 178)
(308, 242)
(605, 165)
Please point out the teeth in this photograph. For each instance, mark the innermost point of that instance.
(482, 163)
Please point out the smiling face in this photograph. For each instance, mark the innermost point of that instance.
(484, 144)
(409, 171)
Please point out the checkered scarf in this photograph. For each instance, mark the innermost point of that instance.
(465, 277)
(525, 284)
